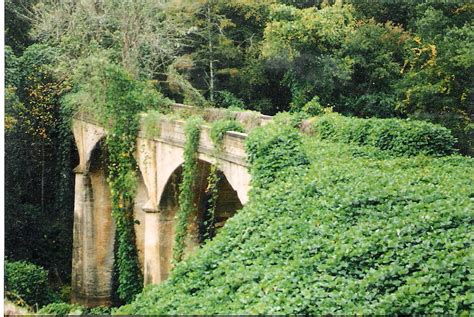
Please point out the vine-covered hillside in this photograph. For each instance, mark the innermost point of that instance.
(333, 228)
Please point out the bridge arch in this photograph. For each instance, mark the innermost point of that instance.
(201, 227)
(87, 137)
(236, 176)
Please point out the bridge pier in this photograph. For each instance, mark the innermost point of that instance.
(93, 244)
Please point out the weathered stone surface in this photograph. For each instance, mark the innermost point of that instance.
(93, 235)
(156, 203)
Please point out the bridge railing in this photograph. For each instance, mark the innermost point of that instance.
(253, 118)
(249, 119)
(172, 131)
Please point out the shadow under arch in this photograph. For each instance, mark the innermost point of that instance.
(200, 227)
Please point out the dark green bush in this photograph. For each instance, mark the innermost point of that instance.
(28, 283)
(220, 127)
(313, 107)
(271, 150)
(99, 310)
(347, 235)
(62, 309)
(226, 99)
(396, 136)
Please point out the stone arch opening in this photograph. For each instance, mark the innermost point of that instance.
(228, 203)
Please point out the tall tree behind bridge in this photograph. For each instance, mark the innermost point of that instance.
(38, 164)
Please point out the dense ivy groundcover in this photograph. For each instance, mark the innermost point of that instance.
(336, 232)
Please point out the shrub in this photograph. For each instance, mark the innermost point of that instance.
(99, 310)
(192, 132)
(293, 119)
(150, 124)
(313, 107)
(396, 136)
(226, 99)
(271, 150)
(28, 283)
(62, 309)
(220, 127)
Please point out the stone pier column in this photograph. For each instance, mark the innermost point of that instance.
(80, 203)
(93, 247)
(166, 242)
(159, 241)
(152, 248)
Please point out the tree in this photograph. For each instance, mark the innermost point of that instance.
(137, 33)
(306, 42)
(437, 83)
(18, 24)
(38, 227)
(376, 52)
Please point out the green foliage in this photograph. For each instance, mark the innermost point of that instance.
(62, 309)
(349, 235)
(217, 133)
(137, 35)
(180, 85)
(27, 284)
(362, 58)
(11, 67)
(65, 309)
(226, 99)
(186, 188)
(306, 42)
(396, 136)
(373, 66)
(353, 69)
(18, 24)
(99, 310)
(293, 119)
(213, 192)
(436, 84)
(150, 123)
(38, 215)
(271, 150)
(313, 107)
(220, 127)
(365, 59)
(376, 54)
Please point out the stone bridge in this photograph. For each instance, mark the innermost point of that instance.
(160, 160)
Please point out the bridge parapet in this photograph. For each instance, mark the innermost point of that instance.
(248, 118)
(173, 132)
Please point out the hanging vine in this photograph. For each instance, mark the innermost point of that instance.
(110, 94)
(186, 188)
(212, 192)
(218, 130)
